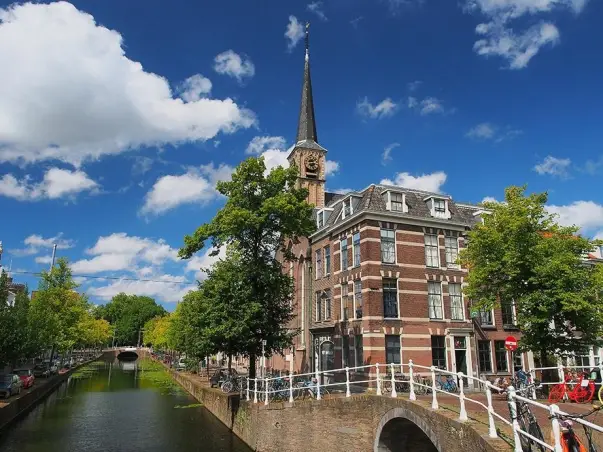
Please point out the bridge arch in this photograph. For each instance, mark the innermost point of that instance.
(402, 430)
(127, 355)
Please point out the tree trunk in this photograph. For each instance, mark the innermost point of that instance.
(229, 363)
(252, 365)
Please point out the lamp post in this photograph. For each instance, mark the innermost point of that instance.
(263, 358)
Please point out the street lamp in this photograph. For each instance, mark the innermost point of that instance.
(263, 358)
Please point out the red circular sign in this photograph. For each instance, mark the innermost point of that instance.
(511, 343)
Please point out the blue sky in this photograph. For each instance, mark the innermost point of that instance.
(118, 118)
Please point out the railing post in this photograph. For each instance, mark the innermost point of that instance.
(378, 379)
(463, 412)
(533, 375)
(434, 390)
(266, 390)
(491, 427)
(394, 393)
(347, 382)
(290, 387)
(247, 389)
(554, 409)
(513, 411)
(255, 390)
(561, 373)
(411, 381)
(318, 396)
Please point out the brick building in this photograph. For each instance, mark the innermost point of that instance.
(379, 279)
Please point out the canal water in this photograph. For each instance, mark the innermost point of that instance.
(114, 406)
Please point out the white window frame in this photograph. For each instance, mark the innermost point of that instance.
(448, 238)
(396, 291)
(462, 301)
(320, 219)
(431, 200)
(341, 253)
(388, 201)
(381, 245)
(327, 299)
(488, 325)
(513, 314)
(437, 247)
(354, 245)
(318, 307)
(490, 345)
(327, 271)
(507, 355)
(355, 298)
(347, 202)
(318, 253)
(441, 306)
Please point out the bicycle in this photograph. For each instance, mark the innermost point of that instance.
(527, 422)
(569, 439)
(583, 390)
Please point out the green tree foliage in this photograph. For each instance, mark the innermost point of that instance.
(156, 332)
(94, 332)
(15, 337)
(128, 314)
(57, 310)
(521, 253)
(262, 212)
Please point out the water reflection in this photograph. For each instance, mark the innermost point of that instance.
(120, 406)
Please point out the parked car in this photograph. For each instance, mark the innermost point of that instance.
(10, 384)
(27, 377)
(41, 370)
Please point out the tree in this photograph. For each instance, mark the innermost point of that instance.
(155, 331)
(521, 254)
(262, 211)
(57, 310)
(128, 314)
(15, 341)
(94, 332)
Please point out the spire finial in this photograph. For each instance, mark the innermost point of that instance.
(307, 40)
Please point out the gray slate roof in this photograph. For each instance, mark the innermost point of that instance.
(371, 200)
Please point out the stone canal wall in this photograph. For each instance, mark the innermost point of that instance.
(18, 407)
(336, 425)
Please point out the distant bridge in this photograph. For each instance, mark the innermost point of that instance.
(126, 353)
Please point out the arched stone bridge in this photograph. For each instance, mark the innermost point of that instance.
(360, 423)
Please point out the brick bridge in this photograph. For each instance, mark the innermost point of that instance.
(360, 423)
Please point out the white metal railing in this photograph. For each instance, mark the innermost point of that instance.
(374, 376)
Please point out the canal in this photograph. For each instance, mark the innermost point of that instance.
(120, 406)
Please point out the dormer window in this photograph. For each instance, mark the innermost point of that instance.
(438, 207)
(396, 202)
(320, 219)
(348, 207)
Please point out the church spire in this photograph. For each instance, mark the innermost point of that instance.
(306, 127)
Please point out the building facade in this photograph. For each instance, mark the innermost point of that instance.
(379, 280)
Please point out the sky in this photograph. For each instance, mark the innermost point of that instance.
(117, 119)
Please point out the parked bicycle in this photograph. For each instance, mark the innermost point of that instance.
(527, 421)
(448, 384)
(570, 441)
(579, 390)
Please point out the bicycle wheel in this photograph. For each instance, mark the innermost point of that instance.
(386, 387)
(583, 394)
(557, 393)
(227, 386)
(600, 394)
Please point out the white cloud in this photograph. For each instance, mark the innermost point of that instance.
(195, 88)
(414, 85)
(483, 131)
(316, 8)
(198, 185)
(63, 64)
(43, 260)
(383, 109)
(230, 63)
(427, 182)
(599, 235)
(56, 183)
(294, 32)
(121, 252)
(199, 264)
(517, 48)
(587, 215)
(553, 166)
(428, 106)
(36, 243)
(331, 167)
(489, 199)
(386, 155)
(167, 288)
(259, 144)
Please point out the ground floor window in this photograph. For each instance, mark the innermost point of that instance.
(485, 356)
(358, 349)
(500, 353)
(392, 349)
(438, 351)
(345, 350)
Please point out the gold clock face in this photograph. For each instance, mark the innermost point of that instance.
(312, 163)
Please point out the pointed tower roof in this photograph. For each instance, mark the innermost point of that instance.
(306, 126)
